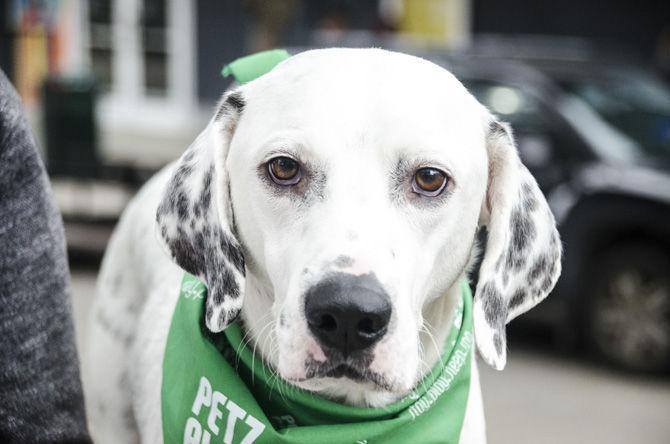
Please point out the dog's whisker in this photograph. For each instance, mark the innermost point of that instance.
(272, 350)
(426, 327)
(246, 339)
(269, 324)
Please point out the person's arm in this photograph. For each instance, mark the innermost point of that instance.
(40, 388)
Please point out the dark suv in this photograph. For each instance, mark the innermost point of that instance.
(596, 136)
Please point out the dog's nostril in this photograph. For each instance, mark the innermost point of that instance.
(327, 322)
(366, 326)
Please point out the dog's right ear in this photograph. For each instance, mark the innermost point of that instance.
(195, 220)
(523, 249)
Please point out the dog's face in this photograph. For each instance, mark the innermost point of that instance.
(340, 194)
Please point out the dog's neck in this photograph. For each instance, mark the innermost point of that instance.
(437, 317)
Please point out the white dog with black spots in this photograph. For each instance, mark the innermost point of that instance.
(357, 167)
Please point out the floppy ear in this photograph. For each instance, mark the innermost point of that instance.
(523, 251)
(195, 220)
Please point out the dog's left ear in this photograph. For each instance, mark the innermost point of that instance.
(523, 251)
(195, 220)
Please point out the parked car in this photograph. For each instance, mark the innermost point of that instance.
(595, 133)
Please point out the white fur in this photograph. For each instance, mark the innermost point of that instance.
(351, 115)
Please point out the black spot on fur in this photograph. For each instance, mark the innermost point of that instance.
(206, 194)
(517, 299)
(505, 277)
(129, 418)
(514, 260)
(189, 155)
(494, 309)
(343, 261)
(523, 229)
(231, 251)
(182, 205)
(523, 233)
(199, 241)
(538, 270)
(496, 129)
(546, 283)
(223, 316)
(184, 170)
(234, 102)
(185, 255)
(498, 342)
(528, 200)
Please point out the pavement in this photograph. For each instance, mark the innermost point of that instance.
(540, 397)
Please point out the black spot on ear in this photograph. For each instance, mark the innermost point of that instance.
(498, 342)
(206, 193)
(517, 299)
(523, 229)
(514, 260)
(505, 277)
(189, 156)
(199, 241)
(184, 170)
(539, 269)
(494, 309)
(221, 283)
(546, 283)
(234, 102)
(496, 129)
(182, 205)
(223, 315)
(185, 255)
(528, 200)
(231, 251)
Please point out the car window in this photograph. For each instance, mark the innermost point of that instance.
(634, 103)
(547, 145)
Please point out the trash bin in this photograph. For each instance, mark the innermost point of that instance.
(70, 128)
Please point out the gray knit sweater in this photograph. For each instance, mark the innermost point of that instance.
(40, 388)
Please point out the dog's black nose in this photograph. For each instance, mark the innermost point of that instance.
(347, 312)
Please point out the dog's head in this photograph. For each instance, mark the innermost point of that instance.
(340, 196)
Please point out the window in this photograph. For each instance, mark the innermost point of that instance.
(154, 46)
(100, 47)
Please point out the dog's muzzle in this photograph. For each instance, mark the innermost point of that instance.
(347, 313)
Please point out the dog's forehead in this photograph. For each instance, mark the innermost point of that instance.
(340, 96)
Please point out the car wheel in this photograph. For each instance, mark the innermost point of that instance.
(628, 309)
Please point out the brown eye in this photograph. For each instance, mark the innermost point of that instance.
(284, 170)
(429, 181)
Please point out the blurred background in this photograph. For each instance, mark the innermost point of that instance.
(115, 89)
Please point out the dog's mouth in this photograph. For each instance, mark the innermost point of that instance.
(345, 370)
(353, 370)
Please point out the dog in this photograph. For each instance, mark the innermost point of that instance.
(349, 174)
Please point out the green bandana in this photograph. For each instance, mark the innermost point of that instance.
(215, 389)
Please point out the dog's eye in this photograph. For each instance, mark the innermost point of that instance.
(284, 170)
(429, 181)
